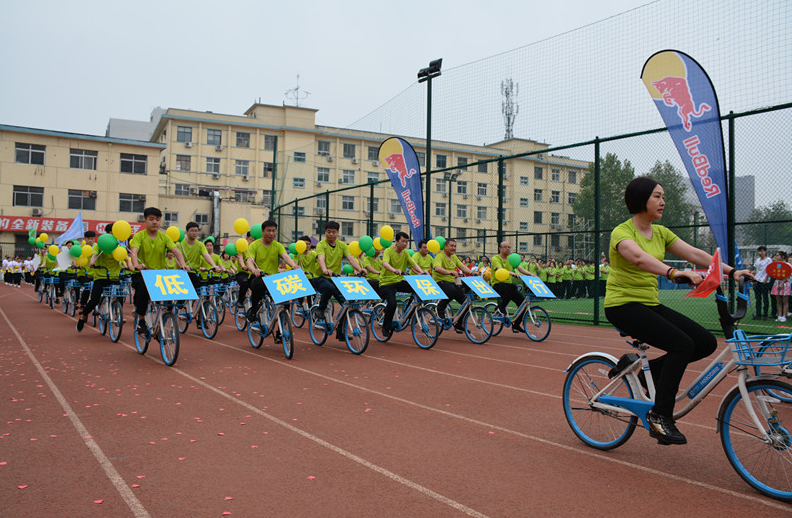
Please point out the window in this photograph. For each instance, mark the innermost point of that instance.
(461, 211)
(372, 204)
(82, 159)
(296, 234)
(481, 234)
(323, 174)
(133, 164)
(462, 163)
(440, 209)
(461, 233)
(523, 246)
(183, 134)
(321, 203)
(242, 167)
(373, 153)
(201, 219)
(523, 202)
(181, 189)
(555, 218)
(270, 141)
(170, 218)
(131, 202)
(243, 139)
(440, 185)
(523, 180)
(299, 210)
(348, 176)
(571, 241)
(323, 148)
(538, 173)
(572, 176)
(555, 196)
(347, 203)
(244, 196)
(183, 162)
(523, 226)
(440, 161)
(555, 241)
(571, 220)
(481, 212)
(439, 231)
(395, 206)
(537, 240)
(347, 228)
(266, 197)
(571, 198)
(555, 175)
(298, 183)
(538, 194)
(461, 187)
(299, 156)
(372, 177)
(396, 228)
(82, 200)
(537, 218)
(421, 158)
(349, 151)
(482, 168)
(268, 168)
(29, 154)
(482, 189)
(214, 137)
(213, 165)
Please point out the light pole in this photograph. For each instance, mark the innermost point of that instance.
(450, 178)
(427, 74)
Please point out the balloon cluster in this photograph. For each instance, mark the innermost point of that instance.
(436, 244)
(370, 246)
(241, 227)
(501, 274)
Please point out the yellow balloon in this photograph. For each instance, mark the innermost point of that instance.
(377, 244)
(43, 237)
(433, 246)
(122, 230)
(354, 248)
(301, 245)
(53, 250)
(487, 274)
(242, 245)
(87, 251)
(173, 233)
(82, 261)
(501, 274)
(386, 233)
(120, 253)
(241, 226)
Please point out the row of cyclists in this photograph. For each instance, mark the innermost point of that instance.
(152, 248)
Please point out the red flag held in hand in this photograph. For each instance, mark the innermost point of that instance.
(712, 280)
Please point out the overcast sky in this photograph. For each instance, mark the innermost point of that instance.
(70, 66)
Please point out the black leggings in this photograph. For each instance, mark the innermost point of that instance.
(683, 340)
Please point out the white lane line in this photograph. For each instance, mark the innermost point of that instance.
(121, 486)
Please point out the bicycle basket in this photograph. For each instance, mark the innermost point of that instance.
(758, 350)
(115, 290)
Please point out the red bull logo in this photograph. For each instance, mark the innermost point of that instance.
(397, 166)
(676, 92)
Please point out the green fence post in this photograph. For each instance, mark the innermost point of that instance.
(597, 229)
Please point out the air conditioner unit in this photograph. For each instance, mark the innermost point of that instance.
(375, 163)
(245, 178)
(216, 176)
(464, 196)
(464, 242)
(505, 221)
(445, 218)
(141, 218)
(319, 210)
(445, 195)
(92, 194)
(367, 213)
(505, 176)
(36, 212)
(188, 144)
(329, 158)
(218, 148)
(314, 225)
(555, 226)
(318, 184)
(392, 215)
(355, 161)
(341, 180)
(193, 190)
(478, 196)
(478, 220)
(466, 220)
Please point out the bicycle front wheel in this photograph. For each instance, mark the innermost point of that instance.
(765, 466)
(601, 429)
(425, 328)
(297, 313)
(65, 300)
(115, 320)
(478, 325)
(356, 332)
(317, 327)
(72, 302)
(183, 310)
(169, 338)
(536, 323)
(220, 306)
(207, 318)
(104, 316)
(286, 336)
(141, 339)
(240, 318)
(497, 325)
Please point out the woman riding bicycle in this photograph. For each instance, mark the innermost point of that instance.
(637, 248)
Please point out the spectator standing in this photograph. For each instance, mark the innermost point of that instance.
(762, 285)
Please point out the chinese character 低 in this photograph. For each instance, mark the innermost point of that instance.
(354, 286)
(289, 284)
(170, 284)
(426, 286)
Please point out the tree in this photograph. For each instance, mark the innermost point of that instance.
(775, 228)
(678, 211)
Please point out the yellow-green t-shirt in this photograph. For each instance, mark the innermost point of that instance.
(627, 282)
(374, 262)
(499, 262)
(332, 255)
(104, 260)
(399, 261)
(446, 263)
(193, 254)
(308, 263)
(426, 263)
(170, 264)
(266, 257)
(151, 252)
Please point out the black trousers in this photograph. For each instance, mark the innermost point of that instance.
(389, 296)
(96, 294)
(141, 297)
(453, 292)
(762, 293)
(243, 279)
(508, 292)
(683, 340)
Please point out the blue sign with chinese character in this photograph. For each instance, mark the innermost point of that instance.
(355, 288)
(288, 285)
(480, 287)
(169, 285)
(537, 287)
(425, 287)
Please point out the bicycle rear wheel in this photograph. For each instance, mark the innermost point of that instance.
(425, 328)
(183, 312)
(497, 325)
(765, 467)
(115, 320)
(169, 338)
(601, 429)
(104, 316)
(65, 300)
(317, 326)
(296, 313)
(375, 322)
(287, 338)
(478, 325)
(207, 318)
(72, 302)
(356, 332)
(220, 306)
(536, 323)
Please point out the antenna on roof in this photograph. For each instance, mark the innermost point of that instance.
(295, 95)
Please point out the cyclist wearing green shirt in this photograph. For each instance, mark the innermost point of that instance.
(373, 268)
(395, 263)
(329, 253)
(507, 289)
(86, 274)
(195, 252)
(105, 273)
(263, 257)
(445, 274)
(147, 250)
(424, 260)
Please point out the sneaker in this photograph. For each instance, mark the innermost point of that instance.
(663, 428)
(459, 329)
(57, 301)
(252, 315)
(782, 319)
(625, 361)
(517, 329)
(142, 329)
(80, 325)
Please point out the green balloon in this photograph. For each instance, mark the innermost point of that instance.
(409, 251)
(371, 252)
(181, 235)
(75, 251)
(39, 244)
(231, 249)
(347, 269)
(51, 257)
(366, 243)
(514, 260)
(256, 231)
(32, 240)
(107, 243)
(293, 248)
(385, 243)
(441, 240)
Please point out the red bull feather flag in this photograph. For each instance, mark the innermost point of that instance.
(684, 95)
(401, 163)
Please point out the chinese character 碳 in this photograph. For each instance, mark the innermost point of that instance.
(289, 284)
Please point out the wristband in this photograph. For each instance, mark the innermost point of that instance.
(673, 273)
(731, 273)
(668, 273)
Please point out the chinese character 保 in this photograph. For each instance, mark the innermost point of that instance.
(426, 286)
(289, 284)
(354, 286)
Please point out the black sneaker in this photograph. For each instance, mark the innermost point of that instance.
(57, 301)
(663, 428)
(142, 328)
(252, 315)
(80, 325)
(517, 329)
(459, 329)
(625, 361)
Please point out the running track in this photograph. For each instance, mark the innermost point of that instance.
(89, 428)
